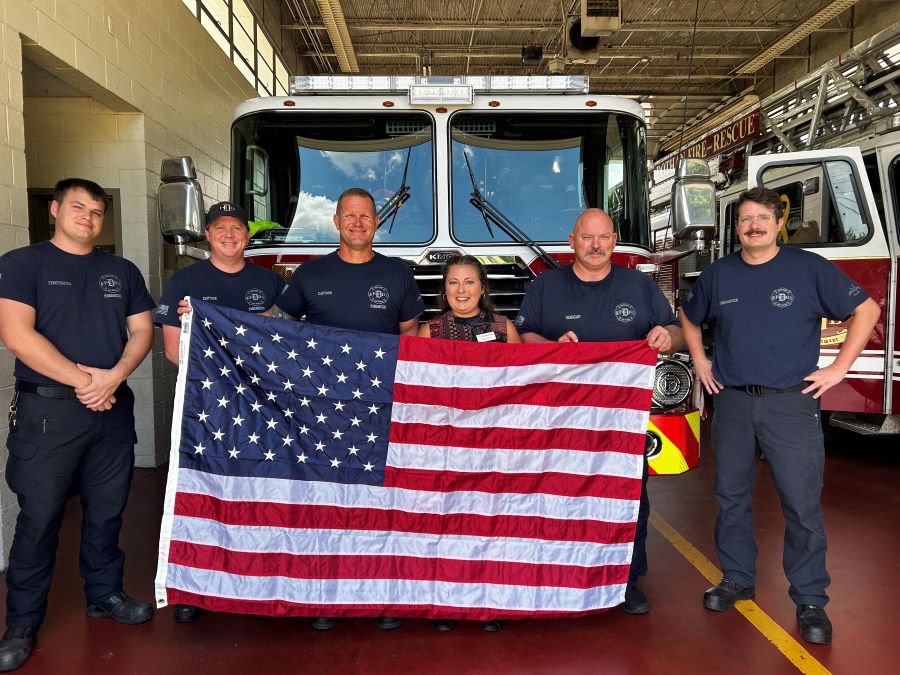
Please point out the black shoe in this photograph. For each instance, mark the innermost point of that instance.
(15, 647)
(187, 613)
(121, 607)
(491, 626)
(324, 623)
(443, 625)
(814, 624)
(721, 598)
(635, 601)
(388, 622)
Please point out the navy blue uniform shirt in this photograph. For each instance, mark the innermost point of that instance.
(252, 289)
(81, 302)
(625, 305)
(375, 296)
(768, 317)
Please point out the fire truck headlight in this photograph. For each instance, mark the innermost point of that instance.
(653, 445)
(672, 384)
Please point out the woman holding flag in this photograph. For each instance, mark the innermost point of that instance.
(469, 317)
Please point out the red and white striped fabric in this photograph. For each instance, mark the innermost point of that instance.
(508, 488)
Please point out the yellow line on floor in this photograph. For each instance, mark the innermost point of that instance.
(783, 641)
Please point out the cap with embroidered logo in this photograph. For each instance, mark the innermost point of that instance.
(226, 209)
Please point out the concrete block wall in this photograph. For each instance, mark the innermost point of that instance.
(154, 84)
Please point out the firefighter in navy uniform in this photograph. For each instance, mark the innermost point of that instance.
(358, 289)
(78, 321)
(225, 279)
(767, 300)
(594, 300)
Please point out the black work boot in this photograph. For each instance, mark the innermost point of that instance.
(15, 647)
(121, 607)
(722, 596)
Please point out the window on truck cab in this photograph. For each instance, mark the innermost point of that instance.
(894, 183)
(543, 169)
(313, 156)
(833, 213)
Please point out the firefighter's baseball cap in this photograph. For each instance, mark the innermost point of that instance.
(226, 209)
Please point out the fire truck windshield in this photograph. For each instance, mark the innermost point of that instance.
(542, 169)
(297, 164)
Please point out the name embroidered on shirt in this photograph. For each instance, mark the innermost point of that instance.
(729, 301)
(324, 293)
(51, 282)
(570, 317)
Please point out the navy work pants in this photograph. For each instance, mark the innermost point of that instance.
(785, 427)
(56, 446)
(639, 557)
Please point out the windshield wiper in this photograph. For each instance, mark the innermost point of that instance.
(492, 214)
(398, 199)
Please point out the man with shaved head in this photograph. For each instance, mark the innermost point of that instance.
(595, 300)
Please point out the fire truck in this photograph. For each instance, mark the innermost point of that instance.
(496, 167)
(830, 145)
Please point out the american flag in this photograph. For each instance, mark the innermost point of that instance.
(317, 471)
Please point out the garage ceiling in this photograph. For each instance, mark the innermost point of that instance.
(683, 60)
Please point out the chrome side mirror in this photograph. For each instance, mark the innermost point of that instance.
(693, 202)
(180, 202)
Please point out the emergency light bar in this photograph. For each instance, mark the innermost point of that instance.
(436, 94)
(438, 89)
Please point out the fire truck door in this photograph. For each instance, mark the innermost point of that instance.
(888, 166)
(849, 232)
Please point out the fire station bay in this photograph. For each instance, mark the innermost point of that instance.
(682, 218)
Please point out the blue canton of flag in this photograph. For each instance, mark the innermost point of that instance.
(267, 398)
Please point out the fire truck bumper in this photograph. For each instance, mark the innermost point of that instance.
(673, 442)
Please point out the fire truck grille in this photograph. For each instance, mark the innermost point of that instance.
(475, 127)
(508, 283)
(405, 127)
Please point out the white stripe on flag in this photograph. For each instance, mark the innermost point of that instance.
(481, 377)
(472, 460)
(518, 416)
(283, 491)
(271, 539)
(400, 591)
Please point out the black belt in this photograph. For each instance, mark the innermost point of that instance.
(759, 390)
(45, 390)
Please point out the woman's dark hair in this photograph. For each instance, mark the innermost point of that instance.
(484, 302)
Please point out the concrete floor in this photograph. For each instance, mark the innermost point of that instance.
(861, 502)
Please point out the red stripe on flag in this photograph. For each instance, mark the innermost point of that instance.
(564, 484)
(493, 355)
(629, 443)
(282, 608)
(306, 517)
(303, 566)
(544, 394)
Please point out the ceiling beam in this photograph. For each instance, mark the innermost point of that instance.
(379, 50)
(796, 33)
(539, 26)
(613, 52)
(714, 27)
(446, 26)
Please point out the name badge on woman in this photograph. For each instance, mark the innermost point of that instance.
(486, 337)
